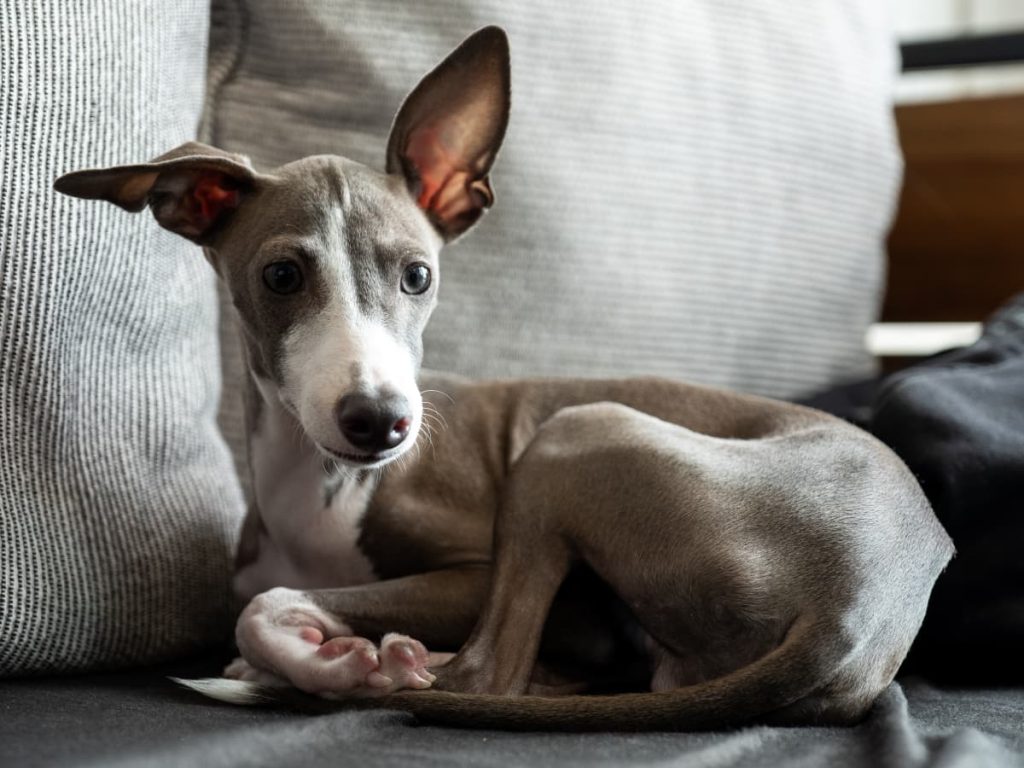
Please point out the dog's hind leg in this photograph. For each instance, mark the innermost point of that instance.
(631, 497)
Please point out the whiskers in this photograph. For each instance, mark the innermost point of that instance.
(432, 424)
(433, 420)
(437, 392)
(431, 413)
(332, 468)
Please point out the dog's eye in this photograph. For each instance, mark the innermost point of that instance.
(283, 277)
(416, 278)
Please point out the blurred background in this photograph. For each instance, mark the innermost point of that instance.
(918, 20)
(953, 251)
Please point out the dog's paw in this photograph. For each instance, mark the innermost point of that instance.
(355, 667)
(284, 632)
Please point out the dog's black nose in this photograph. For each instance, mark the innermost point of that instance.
(374, 424)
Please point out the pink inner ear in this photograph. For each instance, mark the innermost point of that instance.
(434, 163)
(212, 193)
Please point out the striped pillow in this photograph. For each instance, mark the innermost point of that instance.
(118, 504)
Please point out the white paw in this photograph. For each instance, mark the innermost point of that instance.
(353, 666)
(283, 635)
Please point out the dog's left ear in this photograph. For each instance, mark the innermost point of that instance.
(191, 190)
(448, 132)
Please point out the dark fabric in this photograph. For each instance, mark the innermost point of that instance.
(142, 719)
(957, 420)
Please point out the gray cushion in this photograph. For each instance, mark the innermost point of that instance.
(696, 189)
(118, 503)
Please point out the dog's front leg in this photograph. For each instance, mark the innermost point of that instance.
(324, 641)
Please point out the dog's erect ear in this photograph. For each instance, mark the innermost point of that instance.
(190, 190)
(448, 131)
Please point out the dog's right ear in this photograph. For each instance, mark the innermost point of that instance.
(191, 190)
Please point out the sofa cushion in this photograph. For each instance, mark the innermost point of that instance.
(142, 719)
(118, 502)
(696, 189)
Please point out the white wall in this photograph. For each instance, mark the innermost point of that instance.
(928, 19)
(918, 19)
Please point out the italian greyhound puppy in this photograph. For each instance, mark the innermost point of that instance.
(697, 557)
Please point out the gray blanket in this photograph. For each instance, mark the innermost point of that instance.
(131, 719)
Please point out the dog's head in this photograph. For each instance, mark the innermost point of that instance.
(331, 265)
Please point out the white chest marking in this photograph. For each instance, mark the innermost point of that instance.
(311, 520)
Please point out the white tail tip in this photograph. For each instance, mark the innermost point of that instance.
(240, 692)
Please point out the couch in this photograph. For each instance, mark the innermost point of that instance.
(697, 189)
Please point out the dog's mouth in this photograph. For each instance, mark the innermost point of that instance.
(360, 459)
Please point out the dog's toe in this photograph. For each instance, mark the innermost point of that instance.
(237, 668)
(344, 666)
(347, 667)
(361, 648)
(404, 660)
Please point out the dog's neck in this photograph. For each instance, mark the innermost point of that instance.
(309, 506)
(287, 469)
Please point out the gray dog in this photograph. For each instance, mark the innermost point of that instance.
(711, 558)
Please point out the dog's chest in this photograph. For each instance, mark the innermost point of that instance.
(311, 517)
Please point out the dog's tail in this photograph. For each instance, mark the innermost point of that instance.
(807, 658)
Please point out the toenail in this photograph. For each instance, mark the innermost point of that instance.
(377, 680)
(419, 682)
